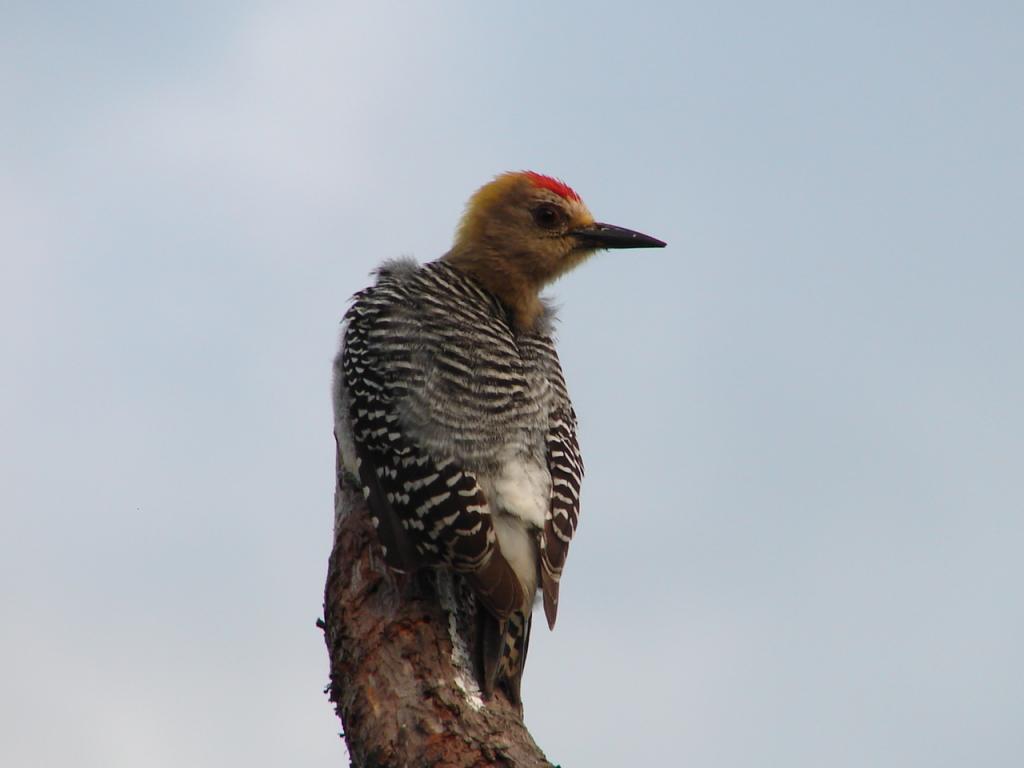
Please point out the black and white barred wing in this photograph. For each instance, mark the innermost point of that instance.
(428, 510)
(565, 465)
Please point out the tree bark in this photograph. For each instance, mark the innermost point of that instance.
(402, 674)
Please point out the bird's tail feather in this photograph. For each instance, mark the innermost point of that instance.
(502, 646)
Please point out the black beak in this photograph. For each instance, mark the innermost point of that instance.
(608, 236)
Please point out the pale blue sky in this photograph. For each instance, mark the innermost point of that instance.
(803, 421)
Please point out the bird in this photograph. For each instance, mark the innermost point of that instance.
(452, 413)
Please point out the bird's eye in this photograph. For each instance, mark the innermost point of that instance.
(547, 216)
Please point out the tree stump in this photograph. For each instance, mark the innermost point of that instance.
(402, 674)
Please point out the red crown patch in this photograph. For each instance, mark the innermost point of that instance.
(560, 188)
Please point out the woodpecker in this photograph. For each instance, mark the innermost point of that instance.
(452, 413)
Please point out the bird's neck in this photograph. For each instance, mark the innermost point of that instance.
(518, 291)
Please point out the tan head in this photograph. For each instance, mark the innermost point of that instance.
(523, 230)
